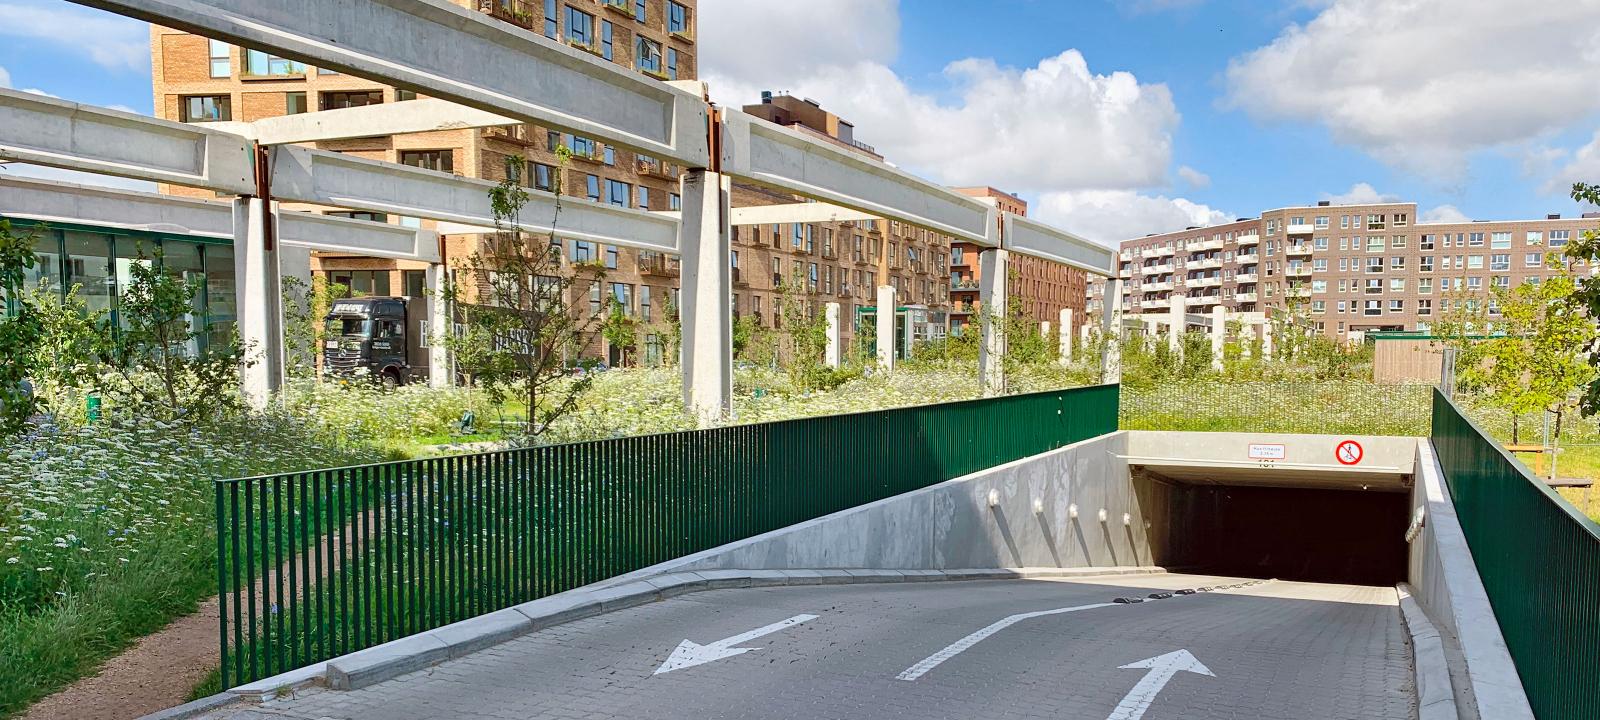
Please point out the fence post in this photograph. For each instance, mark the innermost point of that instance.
(1111, 320)
(993, 267)
(1447, 373)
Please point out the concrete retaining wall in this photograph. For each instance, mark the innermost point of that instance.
(1445, 583)
(951, 525)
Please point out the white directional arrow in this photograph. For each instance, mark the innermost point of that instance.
(690, 653)
(1162, 669)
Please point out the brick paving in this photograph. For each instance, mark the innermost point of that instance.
(1279, 650)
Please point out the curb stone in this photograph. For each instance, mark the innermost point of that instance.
(392, 659)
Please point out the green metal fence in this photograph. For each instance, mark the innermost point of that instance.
(317, 564)
(1540, 562)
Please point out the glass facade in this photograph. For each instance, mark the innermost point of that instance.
(100, 261)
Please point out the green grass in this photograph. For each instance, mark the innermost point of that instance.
(1327, 408)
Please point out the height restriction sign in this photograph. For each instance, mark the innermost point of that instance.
(1348, 452)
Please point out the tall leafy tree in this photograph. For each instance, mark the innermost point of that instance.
(21, 328)
(1586, 295)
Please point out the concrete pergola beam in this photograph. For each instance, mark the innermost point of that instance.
(49, 201)
(327, 178)
(809, 212)
(400, 118)
(445, 51)
(57, 133)
(783, 159)
(1031, 237)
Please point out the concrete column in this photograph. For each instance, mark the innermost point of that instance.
(992, 264)
(1083, 332)
(1266, 338)
(1064, 350)
(707, 283)
(1111, 322)
(441, 372)
(259, 295)
(830, 355)
(1044, 329)
(1176, 323)
(1219, 334)
(887, 303)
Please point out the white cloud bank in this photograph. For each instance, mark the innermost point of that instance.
(111, 41)
(1421, 84)
(1058, 131)
(1360, 194)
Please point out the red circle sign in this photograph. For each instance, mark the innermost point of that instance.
(1348, 452)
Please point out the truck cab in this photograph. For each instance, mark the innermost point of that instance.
(381, 338)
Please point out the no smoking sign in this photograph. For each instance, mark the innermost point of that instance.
(1348, 452)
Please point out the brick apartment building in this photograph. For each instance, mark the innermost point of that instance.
(1350, 269)
(1044, 287)
(197, 80)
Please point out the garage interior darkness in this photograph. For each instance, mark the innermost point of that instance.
(1351, 535)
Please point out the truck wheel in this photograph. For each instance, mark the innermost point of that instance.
(390, 379)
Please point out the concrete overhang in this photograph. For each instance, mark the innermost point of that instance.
(1383, 463)
(1031, 237)
(400, 118)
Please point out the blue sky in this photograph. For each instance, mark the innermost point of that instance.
(1113, 117)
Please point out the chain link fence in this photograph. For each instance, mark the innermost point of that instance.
(1324, 408)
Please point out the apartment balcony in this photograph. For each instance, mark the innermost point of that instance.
(1160, 252)
(1300, 229)
(1249, 259)
(1248, 240)
(1300, 249)
(656, 168)
(1299, 292)
(663, 265)
(1203, 282)
(1125, 273)
(1204, 245)
(1126, 255)
(517, 12)
(1156, 287)
(622, 7)
(1245, 297)
(738, 278)
(1245, 278)
(1298, 271)
(1161, 269)
(963, 284)
(1206, 264)
(1203, 300)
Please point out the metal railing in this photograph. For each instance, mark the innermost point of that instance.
(1539, 558)
(317, 564)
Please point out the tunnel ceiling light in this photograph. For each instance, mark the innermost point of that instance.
(1127, 520)
(1038, 506)
(1072, 511)
(994, 498)
(1103, 515)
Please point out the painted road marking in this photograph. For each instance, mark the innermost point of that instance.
(1162, 669)
(960, 646)
(690, 653)
(1348, 452)
(956, 648)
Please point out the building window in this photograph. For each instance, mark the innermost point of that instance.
(1533, 260)
(1474, 262)
(1374, 264)
(1321, 222)
(606, 33)
(613, 255)
(360, 215)
(1424, 307)
(592, 188)
(1535, 237)
(1475, 239)
(1559, 238)
(677, 18)
(294, 103)
(402, 95)
(550, 29)
(1397, 285)
(1375, 243)
(221, 65)
(1397, 263)
(618, 193)
(583, 147)
(674, 201)
(1425, 264)
(1425, 286)
(594, 299)
(647, 54)
(1397, 306)
(1501, 261)
(1319, 265)
(1319, 306)
(207, 108)
(544, 177)
(582, 251)
(644, 303)
(1320, 243)
(644, 198)
(672, 64)
(360, 98)
(1372, 307)
(440, 160)
(1500, 241)
(261, 64)
(580, 27)
(638, 10)
(609, 155)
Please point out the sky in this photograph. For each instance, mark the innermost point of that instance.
(1113, 118)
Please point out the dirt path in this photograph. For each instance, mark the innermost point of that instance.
(160, 669)
(156, 673)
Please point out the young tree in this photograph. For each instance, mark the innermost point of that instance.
(1528, 357)
(520, 318)
(804, 337)
(304, 307)
(1586, 294)
(620, 330)
(156, 351)
(21, 328)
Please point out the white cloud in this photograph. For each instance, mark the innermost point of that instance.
(1421, 84)
(1054, 126)
(1195, 178)
(1111, 216)
(1360, 194)
(5, 78)
(1445, 214)
(72, 176)
(111, 41)
(1582, 165)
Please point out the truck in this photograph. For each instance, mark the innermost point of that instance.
(379, 338)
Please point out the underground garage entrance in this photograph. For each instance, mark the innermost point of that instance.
(1283, 507)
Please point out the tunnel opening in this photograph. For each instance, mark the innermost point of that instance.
(1353, 536)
